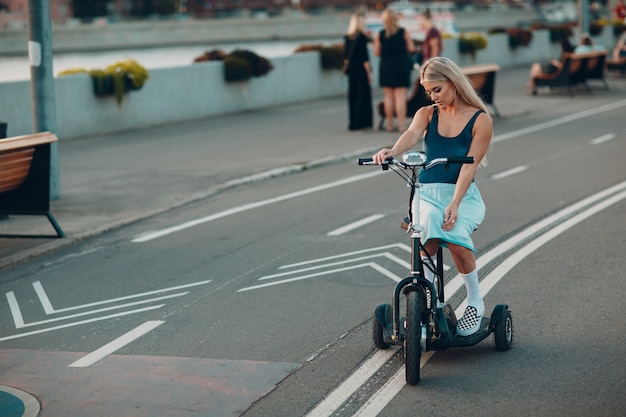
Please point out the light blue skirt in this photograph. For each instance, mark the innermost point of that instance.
(434, 200)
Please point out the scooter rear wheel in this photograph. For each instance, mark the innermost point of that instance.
(412, 341)
(503, 332)
(378, 335)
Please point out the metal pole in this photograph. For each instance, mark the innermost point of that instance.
(584, 20)
(42, 81)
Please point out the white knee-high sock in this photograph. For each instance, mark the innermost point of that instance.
(474, 298)
(428, 274)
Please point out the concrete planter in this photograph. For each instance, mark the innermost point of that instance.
(196, 91)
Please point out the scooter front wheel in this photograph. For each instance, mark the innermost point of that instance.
(412, 340)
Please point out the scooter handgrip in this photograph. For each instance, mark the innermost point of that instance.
(461, 160)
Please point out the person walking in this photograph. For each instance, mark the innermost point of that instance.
(451, 207)
(433, 43)
(357, 68)
(393, 45)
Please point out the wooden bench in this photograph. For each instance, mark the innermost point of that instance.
(25, 178)
(482, 77)
(596, 67)
(575, 69)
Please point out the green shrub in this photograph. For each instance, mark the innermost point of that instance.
(259, 66)
(596, 28)
(471, 42)
(519, 37)
(557, 32)
(214, 55)
(239, 65)
(331, 57)
(236, 69)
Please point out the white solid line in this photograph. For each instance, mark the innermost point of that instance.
(117, 307)
(563, 120)
(344, 255)
(347, 261)
(18, 319)
(78, 323)
(386, 394)
(303, 277)
(559, 121)
(116, 344)
(42, 296)
(603, 138)
(509, 172)
(358, 378)
(389, 390)
(355, 225)
(246, 207)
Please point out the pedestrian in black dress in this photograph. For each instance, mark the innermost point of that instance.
(357, 68)
(393, 45)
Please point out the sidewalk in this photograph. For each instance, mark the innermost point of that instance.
(113, 180)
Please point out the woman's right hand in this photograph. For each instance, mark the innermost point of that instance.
(381, 156)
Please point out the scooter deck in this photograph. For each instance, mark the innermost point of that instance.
(460, 341)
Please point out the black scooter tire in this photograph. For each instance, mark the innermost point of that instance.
(377, 334)
(412, 339)
(503, 332)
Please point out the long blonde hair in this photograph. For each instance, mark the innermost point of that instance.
(356, 25)
(390, 22)
(439, 69)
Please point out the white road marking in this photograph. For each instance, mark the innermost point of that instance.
(102, 310)
(331, 403)
(593, 203)
(387, 255)
(355, 225)
(603, 138)
(78, 323)
(319, 274)
(47, 305)
(560, 121)
(236, 210)
(16, 312)
(510, 172)
(116, 344)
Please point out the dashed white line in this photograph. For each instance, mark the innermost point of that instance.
(355, 225)
(603, 138)
(510, 172)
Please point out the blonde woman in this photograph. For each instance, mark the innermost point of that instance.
(458, 124)
(357, 68)
(393, 45)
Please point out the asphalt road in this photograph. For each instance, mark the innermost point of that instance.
(256, 302)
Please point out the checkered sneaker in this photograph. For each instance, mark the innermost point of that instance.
(470, 322)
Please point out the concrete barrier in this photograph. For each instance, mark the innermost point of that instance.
(198, 91)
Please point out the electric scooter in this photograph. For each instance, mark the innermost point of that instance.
(430, 322)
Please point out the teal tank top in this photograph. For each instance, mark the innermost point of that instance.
(437, 146)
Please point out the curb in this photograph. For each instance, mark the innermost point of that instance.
(27, 254)
(17, 403)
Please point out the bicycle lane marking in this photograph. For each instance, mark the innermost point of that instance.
(574, 214)
(151, 235)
